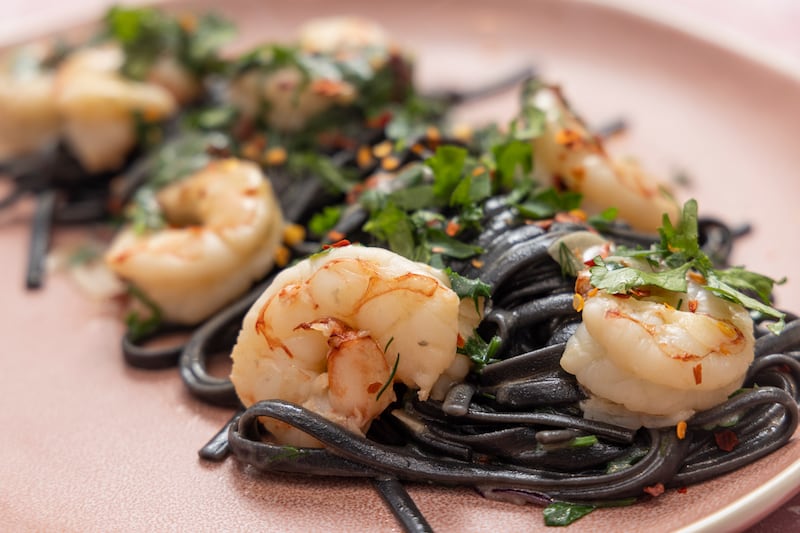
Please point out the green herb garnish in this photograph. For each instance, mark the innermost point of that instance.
(679, 250)
(391, 376)
(146, 34)
(564, 513)
(479, 351)
(140, 327)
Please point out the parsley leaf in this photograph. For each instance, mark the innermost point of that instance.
(448, 166)
(513, 160)
(467, 287)
(622, 280)
(546, 203)
(564, 514)
(139, 326)
(323, 221)
(393, 225)
(680, 251)
(479, 351)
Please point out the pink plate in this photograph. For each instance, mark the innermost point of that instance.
(91, 445)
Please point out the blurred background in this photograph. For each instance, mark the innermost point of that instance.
(767, 27)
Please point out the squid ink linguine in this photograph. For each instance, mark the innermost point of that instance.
(509, 309)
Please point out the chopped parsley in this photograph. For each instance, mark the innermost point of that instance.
(679, 251)
(140, 326)
(565, 513)
(479, 351)
(146, 34)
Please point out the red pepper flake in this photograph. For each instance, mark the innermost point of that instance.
(682, 490)
(453, 227)
(364, 157)
(655, 490)
(374, 387)
(335, 236)
(578, 172)
(680, 430)
(477, 263)
(577, 302)
(390, 163)
(726, 440)
(418, 149)
(328, 87)
(382, 150)
(433, 134)
(692, 306)
(338, 244)
(697, 370)
(477, 171)
(379, 121)
(460, 341)
(567, 136)
(696, 277)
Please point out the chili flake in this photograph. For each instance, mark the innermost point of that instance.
(390, 163)
(577, 302)
(726, 440)
(697, 370)
(282, 256)
(294, 234)
(655, 490)
(275, 156)
(680, 429)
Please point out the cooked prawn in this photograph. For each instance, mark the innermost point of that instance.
(648, 362)
(30, 118)
(99, 107)
(566, 154)
(292, 100)
(328, 332)
(343, 35)
(225, 225)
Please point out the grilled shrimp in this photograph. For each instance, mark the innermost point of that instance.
(99, 107)
(566, 154)
(647, 362)
(225, 225)
(328, 332)
(30, 118)
(342, 35)
(286, 98)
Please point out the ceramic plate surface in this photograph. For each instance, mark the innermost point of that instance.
(91, 445)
